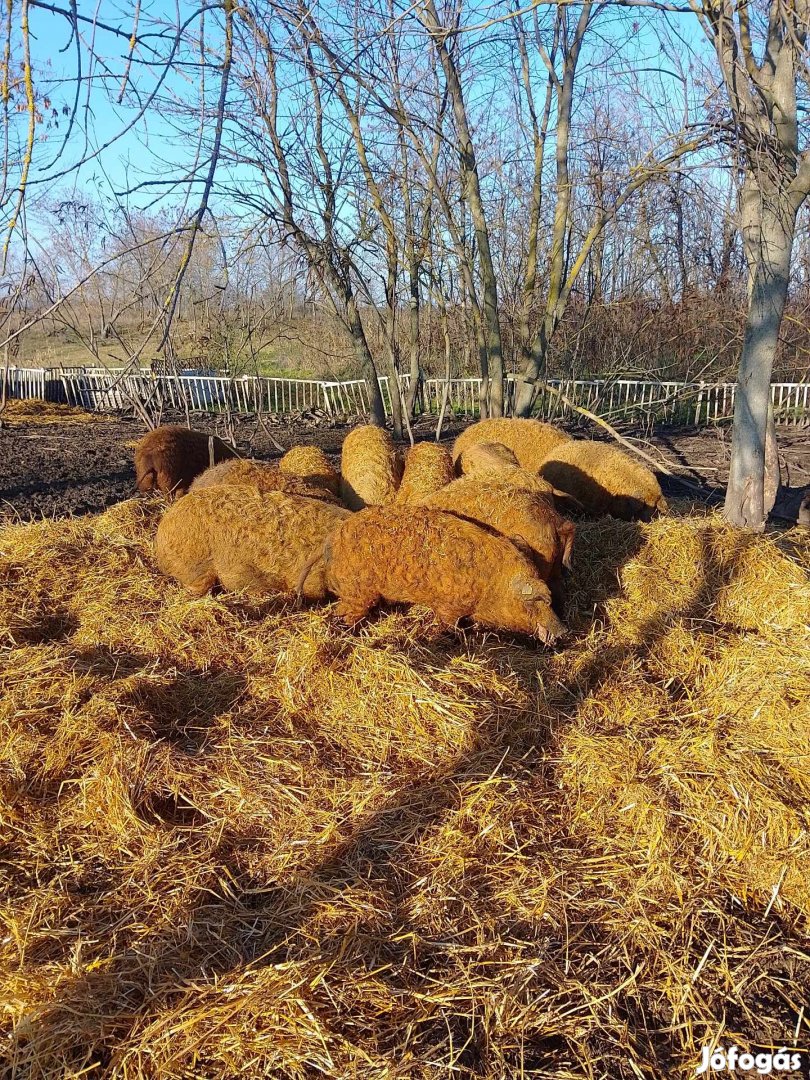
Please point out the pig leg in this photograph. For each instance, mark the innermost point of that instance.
(353, 610)
(448, 616)
(203, 584)
(199, 577)
(566, 533)
(167, 483)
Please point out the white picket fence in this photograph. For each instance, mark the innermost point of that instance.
(698, 403)
(643, 401)
(26, 383)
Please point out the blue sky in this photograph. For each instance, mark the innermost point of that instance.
(161, 146)
(156, 148)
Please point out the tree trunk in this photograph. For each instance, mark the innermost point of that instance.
(447, 367)
(535, 369)
(483, 365)
(394, 389)
(6, 365)
(773, 478)
(366, 362)
(494, 351)
(597, 261)
(769, 222)
(471, 191)
(390, 330)
(555, 301)
(539, 135)
(413, 334)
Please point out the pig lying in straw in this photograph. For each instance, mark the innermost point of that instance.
(369, 468)
(604, 480)
(260, 475)
(494, 463)
(521, 516)
(416, 555)
(428, 468)
(243, 539)
(529, 440)
(311, 464)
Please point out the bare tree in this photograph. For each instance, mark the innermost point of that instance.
(380, 197)
(762, 94)
(471, 189)
(372, 148)
(320, 173)
(566, 260)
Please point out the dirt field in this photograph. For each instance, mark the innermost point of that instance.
(82, 464)
(54, 469)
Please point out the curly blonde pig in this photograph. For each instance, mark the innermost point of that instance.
(604, 480)
(310, 463)
(418, 555)
(369, 468)
(522, 516)
(246, 540)
(261, 475)
(494, 463)
(428, 468)
(529, 440)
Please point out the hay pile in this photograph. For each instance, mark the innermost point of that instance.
(238, 840)
(32, 411)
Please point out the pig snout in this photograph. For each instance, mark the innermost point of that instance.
(549, 628)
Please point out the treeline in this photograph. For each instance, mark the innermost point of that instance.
(245, 313)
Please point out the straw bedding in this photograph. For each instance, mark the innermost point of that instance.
(240, 840)
(33, 411)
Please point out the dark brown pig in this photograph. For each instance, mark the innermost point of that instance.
(168, 458)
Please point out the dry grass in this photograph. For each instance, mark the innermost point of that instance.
(239, 840)
(32, 411)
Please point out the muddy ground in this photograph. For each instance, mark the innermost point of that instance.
(81, 466)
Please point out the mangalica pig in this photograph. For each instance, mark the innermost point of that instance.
(428, 467)
(262, 475)
(495, 464)
(311, 464)
(604, 480)
(521, 516)
(168, 458)
(247, 540)
(529, 440)
(369, 467)
(416, 555)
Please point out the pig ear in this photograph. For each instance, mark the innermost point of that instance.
(531, 590)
